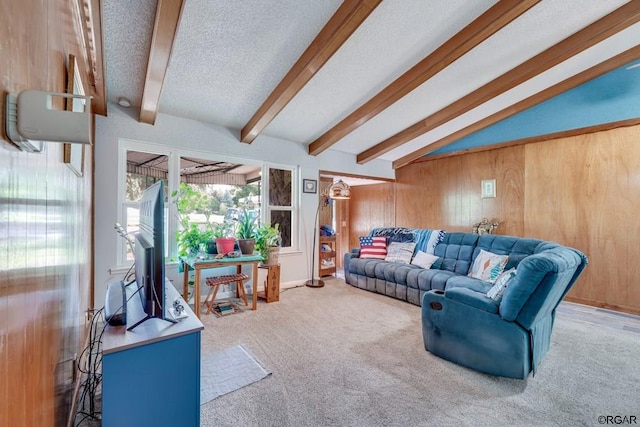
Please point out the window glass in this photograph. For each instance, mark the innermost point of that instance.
(280, 187)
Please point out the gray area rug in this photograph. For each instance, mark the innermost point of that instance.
(227, 370)
(342, 356)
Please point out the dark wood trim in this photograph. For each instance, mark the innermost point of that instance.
(168, 14)
(583, 77)
(338, 29)
(612, 23)
(469, 37)
(534, 139)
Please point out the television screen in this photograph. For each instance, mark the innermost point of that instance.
(149, 253)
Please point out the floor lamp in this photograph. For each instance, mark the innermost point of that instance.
(338, 191)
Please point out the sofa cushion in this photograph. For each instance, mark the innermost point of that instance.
(477, 285)
(373, 247)
(424, 260)
(500, 285)
(400, 252)
(488, 266)
(456, 252)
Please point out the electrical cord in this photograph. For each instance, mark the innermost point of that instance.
(92, 369)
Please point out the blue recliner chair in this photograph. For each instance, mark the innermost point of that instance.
(509, 338)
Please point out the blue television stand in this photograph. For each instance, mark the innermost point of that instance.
(151, 375)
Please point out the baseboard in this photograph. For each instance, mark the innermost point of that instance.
(599, 304)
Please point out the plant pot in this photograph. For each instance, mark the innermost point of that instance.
(211, 247)
(273, 256)
(247, 246)
(224, 245)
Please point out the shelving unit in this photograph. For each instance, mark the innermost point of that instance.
(327, 257)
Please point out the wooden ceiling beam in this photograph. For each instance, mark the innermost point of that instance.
(164, 33)
(605, 27)
(349, 16)
(498, 16)
(565, 85)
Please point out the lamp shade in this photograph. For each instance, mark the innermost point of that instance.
(339, 190)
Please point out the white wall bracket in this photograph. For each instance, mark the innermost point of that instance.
(31, 120)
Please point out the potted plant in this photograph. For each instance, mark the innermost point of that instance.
(223, 235)
(268, 242)
(191, 238)
(246, 232)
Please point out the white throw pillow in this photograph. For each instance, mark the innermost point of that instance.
(400, 252)
(424, 260)
(488, 266)
(498, 289)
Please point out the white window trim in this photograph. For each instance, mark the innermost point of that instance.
(173, 179)
(295, 203)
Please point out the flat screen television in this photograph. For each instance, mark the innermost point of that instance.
(149, 254)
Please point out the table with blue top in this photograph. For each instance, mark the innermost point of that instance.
(199, 264)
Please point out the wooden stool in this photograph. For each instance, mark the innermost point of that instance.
(215, 282)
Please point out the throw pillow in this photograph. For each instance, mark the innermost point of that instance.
(373, 247)
(497, 291)
(488, 266)
(400, 252)
(424, 260)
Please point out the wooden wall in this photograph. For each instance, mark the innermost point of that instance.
(370, 206)
(582, 191)
(45, 229)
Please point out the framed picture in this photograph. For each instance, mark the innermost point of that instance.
(488, 188)
(309, 186)
(73, 154)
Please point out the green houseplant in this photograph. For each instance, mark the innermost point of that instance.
(268, 242)
(246, 232)
(192, 238)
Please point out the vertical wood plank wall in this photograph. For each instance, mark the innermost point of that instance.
(370, 206)
(582, 191)
(45, 229)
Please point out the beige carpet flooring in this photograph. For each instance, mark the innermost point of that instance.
(342, 356)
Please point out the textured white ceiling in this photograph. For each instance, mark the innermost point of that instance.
(229, 55)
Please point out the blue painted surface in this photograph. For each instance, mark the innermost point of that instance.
(612, 97)
(153, 385)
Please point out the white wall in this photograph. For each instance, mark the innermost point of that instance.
(193, 135)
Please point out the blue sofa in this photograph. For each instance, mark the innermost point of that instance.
(459, 322)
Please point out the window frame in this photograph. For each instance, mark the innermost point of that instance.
(173, 182)
(295, 203)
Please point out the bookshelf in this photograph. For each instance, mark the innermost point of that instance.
(327, 252)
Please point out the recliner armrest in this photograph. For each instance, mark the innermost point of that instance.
(472, 298)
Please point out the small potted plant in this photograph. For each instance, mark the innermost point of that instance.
(268, 242)
(246, 232)
(223, 235)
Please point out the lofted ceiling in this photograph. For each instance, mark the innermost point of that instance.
(392, 79)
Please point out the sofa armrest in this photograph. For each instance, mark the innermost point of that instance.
(472, 298)
(355, 253)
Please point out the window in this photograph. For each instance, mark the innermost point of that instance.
(142, 170)
(227, 185)
(281, 207)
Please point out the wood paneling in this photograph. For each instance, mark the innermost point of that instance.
(582, 191)
(45, 229)
(446, 193)
(591, 203)
(370, 206)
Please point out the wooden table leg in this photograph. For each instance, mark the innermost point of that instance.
(254, 297)
(196, 291)
(185, 281)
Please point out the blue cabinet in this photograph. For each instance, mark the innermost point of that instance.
(151, 375)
